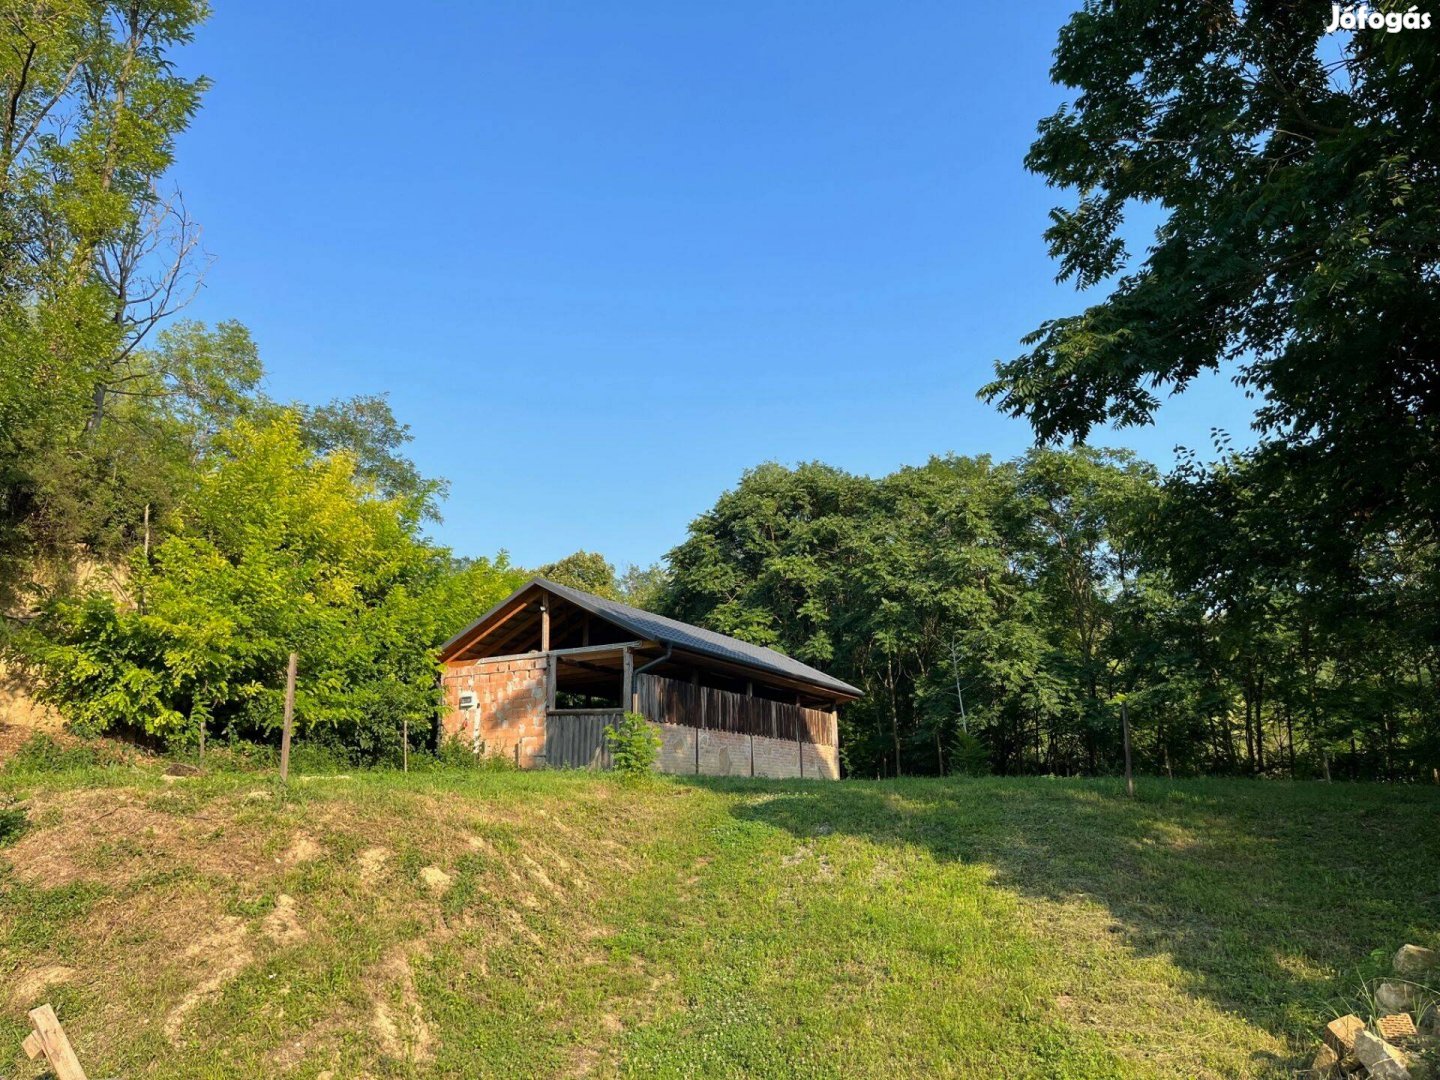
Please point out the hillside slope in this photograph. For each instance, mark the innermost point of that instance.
(566, 924)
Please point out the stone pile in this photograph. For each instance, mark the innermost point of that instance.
(1402, 1041)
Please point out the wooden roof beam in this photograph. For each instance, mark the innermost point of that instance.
(521, 603)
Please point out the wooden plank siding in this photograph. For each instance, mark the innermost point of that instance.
(669, 701)
(575, 738)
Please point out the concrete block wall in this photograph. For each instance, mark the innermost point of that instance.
(777, 758)
(820, 762)
(726, 753)
(677, 748)
(509, 709)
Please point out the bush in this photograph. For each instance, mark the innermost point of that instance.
(278, 549)
(969, 756)
(455, 753)
(43, 753)
(13, 823)
(633, 745)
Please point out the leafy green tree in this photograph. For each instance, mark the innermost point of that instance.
(588, 571)
(279, 549)
(643, 586)
(948, 592)
(366, 428)
(1298, 246)
(95, 254)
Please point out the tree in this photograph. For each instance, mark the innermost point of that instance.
(956, 578)
(643, 586)
(366, 428)
(278, 549)
(588, 571)
(1298, 181)
(94, 253)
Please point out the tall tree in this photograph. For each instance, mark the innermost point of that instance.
(1297, 176)
(95, 253)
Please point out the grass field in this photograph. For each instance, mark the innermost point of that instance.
(506, 924)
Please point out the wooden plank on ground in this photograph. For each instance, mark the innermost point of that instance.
(55, 1044)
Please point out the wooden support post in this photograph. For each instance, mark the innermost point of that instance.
(799, 726)
(627, 684)
(700, 726)
(289, 717)
(50, 1039)
(552, 677)
(545, 625)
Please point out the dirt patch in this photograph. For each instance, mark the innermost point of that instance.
(398, 1022)
(372, 862)
(111, 838)
(537, 872)
(20, 714)
(435, 879)
(282, 926)
(30, 986)
(225, 953)
(302, 849)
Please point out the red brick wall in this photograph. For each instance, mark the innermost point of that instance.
(509, 709)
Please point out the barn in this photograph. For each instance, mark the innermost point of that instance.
(540, 675)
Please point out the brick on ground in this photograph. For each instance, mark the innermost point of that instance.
(1396, 1026)
(1340, 1034)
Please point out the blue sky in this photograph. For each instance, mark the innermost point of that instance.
(605, 257)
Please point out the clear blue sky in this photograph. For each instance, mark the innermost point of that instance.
(605, 257)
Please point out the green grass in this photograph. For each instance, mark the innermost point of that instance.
(223, 927)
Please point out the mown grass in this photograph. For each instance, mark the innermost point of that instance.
(224, 927)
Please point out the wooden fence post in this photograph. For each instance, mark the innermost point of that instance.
(1125, 728)
(289, 718)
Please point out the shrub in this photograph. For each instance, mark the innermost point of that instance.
(43, 753)
(969, 756)
(633, 744)
(456, 754)
(278, 549)
(13, 823)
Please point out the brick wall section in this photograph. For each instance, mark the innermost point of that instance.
(677, 748)
(510, 709)
(510, 705)
(726, 753)
(821, 762)
(777, 758)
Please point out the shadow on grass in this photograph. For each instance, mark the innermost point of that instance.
(1270, 896)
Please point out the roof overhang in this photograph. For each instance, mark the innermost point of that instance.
(647, 631)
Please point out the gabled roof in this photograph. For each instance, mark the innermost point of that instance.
(651, 627)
